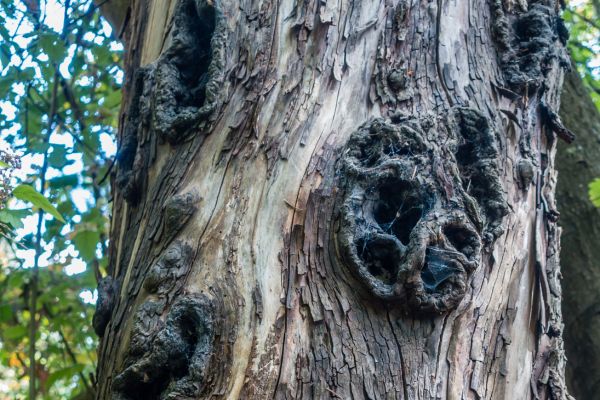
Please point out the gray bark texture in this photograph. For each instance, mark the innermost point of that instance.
(578, 165)
(350, 199)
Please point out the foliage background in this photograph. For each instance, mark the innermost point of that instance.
(60, 80)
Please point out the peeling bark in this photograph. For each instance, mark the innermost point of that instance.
(353, 200)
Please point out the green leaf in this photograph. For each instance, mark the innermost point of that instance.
(14, 332)
(4, 55)
(58, 157)
(113, 99)
(66, 208)
(64, 373)
(53, 46)
(85, 242)
(28, 193)
(14, 217)
(27, 74)
(5, 313)
(6, 83)
(594, 192)
(63, 181)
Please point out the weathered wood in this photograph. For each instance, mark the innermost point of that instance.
(253, 106)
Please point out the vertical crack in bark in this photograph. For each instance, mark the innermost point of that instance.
(402, 363)
(131, 162)
(441, 77)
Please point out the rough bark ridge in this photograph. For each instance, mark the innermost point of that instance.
(348, 199)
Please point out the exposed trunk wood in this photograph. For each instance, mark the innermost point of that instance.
(233, 177)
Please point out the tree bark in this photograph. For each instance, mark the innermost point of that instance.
(319, 199)
(580, 254)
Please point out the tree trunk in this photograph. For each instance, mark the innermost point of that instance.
(580, 253)
(319, 199)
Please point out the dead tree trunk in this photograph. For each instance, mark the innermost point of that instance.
(348, 199)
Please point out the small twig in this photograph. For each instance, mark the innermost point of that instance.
(88, 13)
(66, 22)
(108, 171)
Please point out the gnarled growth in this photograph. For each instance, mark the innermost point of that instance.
(108, 290)
(177, 211)
(167, 275)
(177, 94)
(182, 86)
(168, 359)
(417, 196)
(528, 41)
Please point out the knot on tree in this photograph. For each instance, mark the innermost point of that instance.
(178, 210)
(165, 278)
(419, 199)
(182, 86)
(168, 359)
(530, 44)
(108, 290)
(177, 94)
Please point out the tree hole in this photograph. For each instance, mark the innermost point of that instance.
(398, 208)
(193, 52)
(381, 256)
(439, 267)
(462, 239)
